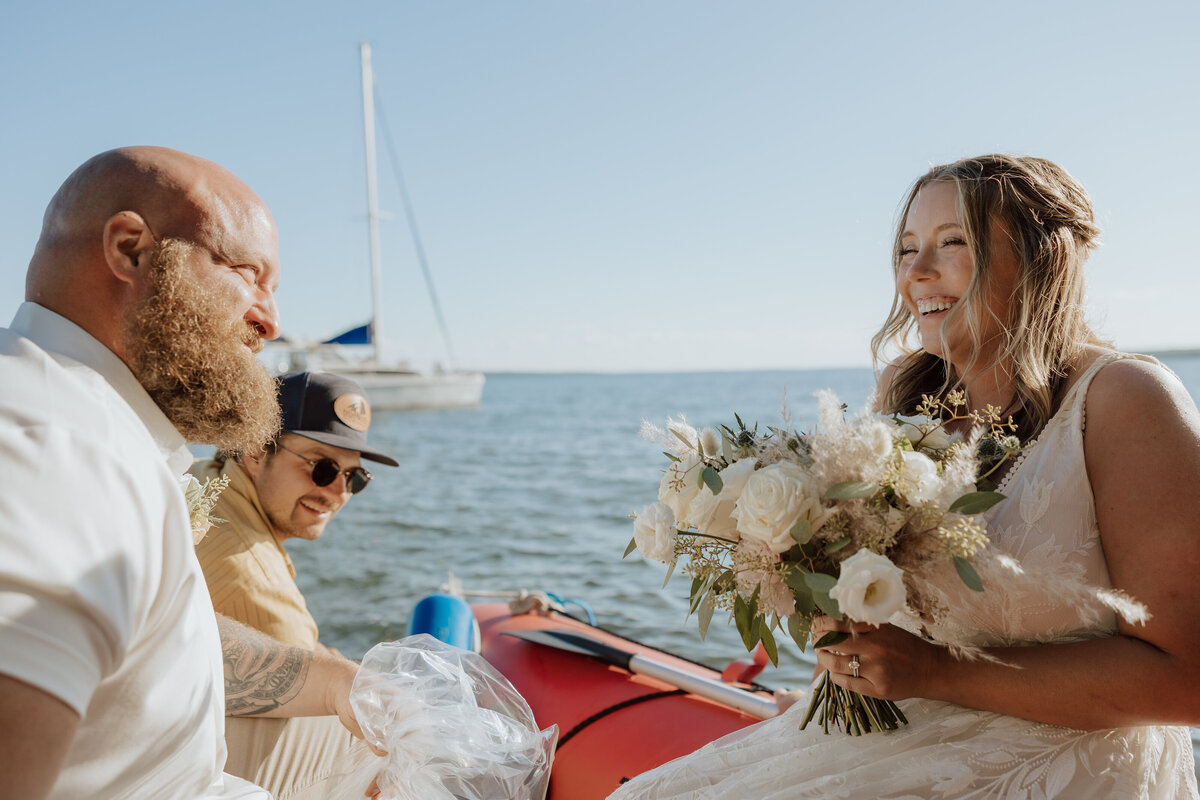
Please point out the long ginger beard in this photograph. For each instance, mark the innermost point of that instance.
(196, 368)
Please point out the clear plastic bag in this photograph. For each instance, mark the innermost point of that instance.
(453, 728)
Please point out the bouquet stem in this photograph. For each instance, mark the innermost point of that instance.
(852, 712)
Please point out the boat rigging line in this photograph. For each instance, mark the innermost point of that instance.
(411, 216)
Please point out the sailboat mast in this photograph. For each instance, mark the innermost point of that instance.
(368, 92)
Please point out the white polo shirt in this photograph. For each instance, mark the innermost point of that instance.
(102, 602)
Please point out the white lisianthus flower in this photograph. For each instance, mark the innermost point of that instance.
(713, 514)
(679, 485)
(918, 481)
(774, 499)
(654, 532)
(935, 438)
(870, 589)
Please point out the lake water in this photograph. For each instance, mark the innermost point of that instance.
(533, 490)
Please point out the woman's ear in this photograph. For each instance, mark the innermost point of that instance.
(127, 244)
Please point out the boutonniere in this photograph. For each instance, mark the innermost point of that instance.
(201, 498)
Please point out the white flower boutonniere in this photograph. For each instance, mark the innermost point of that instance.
(201, 498)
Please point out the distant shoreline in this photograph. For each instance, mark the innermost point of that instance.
(1182, 352)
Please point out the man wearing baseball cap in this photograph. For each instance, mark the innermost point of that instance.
(292, 489)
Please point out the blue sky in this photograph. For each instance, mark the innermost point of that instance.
(624, 184)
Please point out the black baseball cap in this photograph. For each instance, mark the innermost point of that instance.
(329, 409)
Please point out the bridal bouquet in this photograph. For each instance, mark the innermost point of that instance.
(858, 517)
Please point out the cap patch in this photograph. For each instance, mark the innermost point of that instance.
(353, 410)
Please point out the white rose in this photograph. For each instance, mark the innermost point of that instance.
(870, 589)
(918, 481)
(654, 532)
(773, 500)
(713, 514)
(679, 485)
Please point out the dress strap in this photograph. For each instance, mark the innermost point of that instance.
(1071, 413)
(1074, 401)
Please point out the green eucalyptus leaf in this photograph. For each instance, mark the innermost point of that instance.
(680, 437)
(804, 599)
(837, 544)
(795, 578)
(975, 502)
(698, 592)
(750, 634)
(799, 629)
(819, 581)
(712, 479)
(768, 641)
(827, 604)
(725, 582)
(966, 571)
(670, 572)
(850, 490)
(632, 546)
(741, 613)
(704, 614)
(671, 456)
(802, 531)
(831, 638)
(800, 591)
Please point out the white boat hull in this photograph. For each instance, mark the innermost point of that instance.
(388, 387)
(403, 391)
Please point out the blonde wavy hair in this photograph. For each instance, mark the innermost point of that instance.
(1047, 218)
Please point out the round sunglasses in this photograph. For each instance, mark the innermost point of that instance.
(326, 470)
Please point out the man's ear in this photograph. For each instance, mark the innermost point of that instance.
(252, 462)
(128, 242)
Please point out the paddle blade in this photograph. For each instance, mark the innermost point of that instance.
(575, 643)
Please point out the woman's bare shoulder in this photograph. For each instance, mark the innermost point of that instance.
(1138, 386)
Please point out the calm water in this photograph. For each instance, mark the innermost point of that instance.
(533, 490)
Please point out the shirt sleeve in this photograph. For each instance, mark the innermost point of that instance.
(76, 533)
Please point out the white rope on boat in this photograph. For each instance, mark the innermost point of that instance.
(519, 602)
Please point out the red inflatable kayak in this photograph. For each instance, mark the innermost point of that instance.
(613, 724)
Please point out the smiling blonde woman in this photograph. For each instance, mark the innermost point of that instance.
(1072, 701)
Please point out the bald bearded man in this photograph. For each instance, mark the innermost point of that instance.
(150, 290)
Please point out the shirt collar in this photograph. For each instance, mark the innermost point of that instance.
(57, 334)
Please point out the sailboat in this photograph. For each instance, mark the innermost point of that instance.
(388, 385)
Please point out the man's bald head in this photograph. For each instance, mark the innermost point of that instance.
(116, 207)
(171, 262)
(177, 194)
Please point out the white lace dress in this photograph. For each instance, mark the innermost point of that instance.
(946, 750)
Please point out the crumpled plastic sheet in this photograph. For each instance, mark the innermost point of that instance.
(452, 726)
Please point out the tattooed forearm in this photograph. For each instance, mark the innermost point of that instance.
(261, 674)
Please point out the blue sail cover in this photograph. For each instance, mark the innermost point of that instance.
(359, 335)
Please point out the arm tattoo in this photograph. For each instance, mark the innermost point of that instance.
(261, 674)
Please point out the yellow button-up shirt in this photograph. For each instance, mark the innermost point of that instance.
(250, 577)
